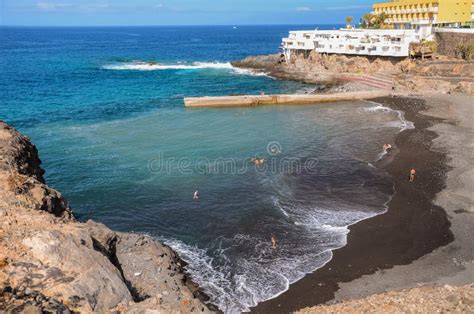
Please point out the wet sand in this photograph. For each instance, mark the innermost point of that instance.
(412, 227)
(452, 264)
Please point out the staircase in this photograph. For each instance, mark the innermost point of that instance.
(378, 80)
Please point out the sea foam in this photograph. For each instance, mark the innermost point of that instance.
(255, 279)
(152, 66)
(237, 284)
(401, 123)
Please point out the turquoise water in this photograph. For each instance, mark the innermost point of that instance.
(116, 140)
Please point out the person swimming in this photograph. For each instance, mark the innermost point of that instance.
(387, 147)
(258, 161)
(196, 195)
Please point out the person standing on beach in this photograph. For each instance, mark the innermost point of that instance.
(274, 242)
(412, 176)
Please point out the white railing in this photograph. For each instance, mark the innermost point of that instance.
(454, 30)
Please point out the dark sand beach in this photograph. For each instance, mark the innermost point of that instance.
(412, 227)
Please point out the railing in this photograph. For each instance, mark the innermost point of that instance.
(411, 11)
(454, 30)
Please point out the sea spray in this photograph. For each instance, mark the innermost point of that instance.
(154, 66)
(402, 123)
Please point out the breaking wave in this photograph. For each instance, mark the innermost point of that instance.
(401, 123)
(235, 286)
(154, 66)
(239, 272)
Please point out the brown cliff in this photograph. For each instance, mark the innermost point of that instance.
(50, 262)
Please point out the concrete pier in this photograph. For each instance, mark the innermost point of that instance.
(262, 100)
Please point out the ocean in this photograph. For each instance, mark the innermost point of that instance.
(105, 108)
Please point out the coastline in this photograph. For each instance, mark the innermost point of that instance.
(355, 73)
(453, 264)
(411, 228)
(388, 242)
(50, 262)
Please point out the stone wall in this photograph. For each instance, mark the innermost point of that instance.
(449, 41)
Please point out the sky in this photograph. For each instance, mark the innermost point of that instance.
(178, 12)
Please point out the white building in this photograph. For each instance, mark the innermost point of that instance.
(364, 42)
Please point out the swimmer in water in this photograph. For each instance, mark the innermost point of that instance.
(387, 147)
(196, 195)
(274, 243)
(258, 161)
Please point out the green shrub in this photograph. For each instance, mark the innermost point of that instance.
(432, 44)
(465, 50)
(374, 21)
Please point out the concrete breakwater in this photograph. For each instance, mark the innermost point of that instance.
(261, 100)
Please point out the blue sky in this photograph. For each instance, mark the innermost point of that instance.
(178, 12)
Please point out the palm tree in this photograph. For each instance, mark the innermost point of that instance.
(375, 21)
(349, 20)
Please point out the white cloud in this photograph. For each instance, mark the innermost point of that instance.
(51, 6)
(93, 7)
(303, 9)
(348, 7)
(101, 6)
(57, 6)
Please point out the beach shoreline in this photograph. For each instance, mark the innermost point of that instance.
(453, 264)
(412, 227)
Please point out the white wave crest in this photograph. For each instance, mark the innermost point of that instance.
(380, 156)
(153, 66)
(255, 279)
(402, 123)
(235, 283)
(377, 108)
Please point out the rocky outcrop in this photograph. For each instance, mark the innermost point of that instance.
(318, 68)
(21, 174)
(440, 74)
(445, 299)
(447, 68)
(273, 66)
(50, 262)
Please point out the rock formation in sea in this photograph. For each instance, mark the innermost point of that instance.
(51, 262)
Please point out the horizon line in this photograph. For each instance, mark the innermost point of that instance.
(169, 25)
